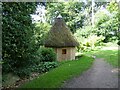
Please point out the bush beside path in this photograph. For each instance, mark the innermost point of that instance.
(56, 77)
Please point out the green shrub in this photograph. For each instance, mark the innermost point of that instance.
(89, 43)
(118, 43)
(44, 59)
(37, 67)
(46, 55)
(44, 67)
(49, 65)
(6, 67)
(23, 72)
(17, 48)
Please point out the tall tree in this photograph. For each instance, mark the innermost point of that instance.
(70, 11)
(17, 34)
(107, 21)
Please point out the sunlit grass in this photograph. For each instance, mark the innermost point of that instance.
(55, 77)
(111, 56)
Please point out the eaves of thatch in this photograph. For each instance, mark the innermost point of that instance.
(60, 35)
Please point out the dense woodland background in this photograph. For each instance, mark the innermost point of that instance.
(22, 38)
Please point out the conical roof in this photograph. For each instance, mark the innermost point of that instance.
(60, 35)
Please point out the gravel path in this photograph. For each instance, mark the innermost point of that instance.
(100, 75)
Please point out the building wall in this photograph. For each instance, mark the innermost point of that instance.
(70, 53)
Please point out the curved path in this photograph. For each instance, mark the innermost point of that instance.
(100, 75)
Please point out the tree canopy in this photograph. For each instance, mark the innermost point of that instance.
(78, 16)
(17, 33)
(70, 11)
(21, 38)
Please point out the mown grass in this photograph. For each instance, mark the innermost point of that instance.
(111, 56)
(56, 77)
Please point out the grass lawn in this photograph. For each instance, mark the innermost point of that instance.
(56, 77)
(111, 56)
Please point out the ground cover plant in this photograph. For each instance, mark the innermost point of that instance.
(55, 77)
(23, 35)
(45, 60)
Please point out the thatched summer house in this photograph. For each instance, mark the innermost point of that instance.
(61, 40)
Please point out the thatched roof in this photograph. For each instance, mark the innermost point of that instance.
(60, 35)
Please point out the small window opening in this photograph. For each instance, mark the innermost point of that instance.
(63, 51)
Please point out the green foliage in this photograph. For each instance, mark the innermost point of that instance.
(70, 11)
(40, 32)
(45, 59)
(17, 35)
(21, 40)
(87, 41)
(44, 67)
(56, 77)
(107, 21)
(111, 56)
(77, 16)
(105, 29)
(49, 65)
(118, 43)
(47, 54)
(84, 32)
(37, 67)
(23, 71)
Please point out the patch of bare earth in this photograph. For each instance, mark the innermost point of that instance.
(21, 81)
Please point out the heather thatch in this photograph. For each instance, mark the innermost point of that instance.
(60, 35)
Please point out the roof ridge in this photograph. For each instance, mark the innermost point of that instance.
(60, 35)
